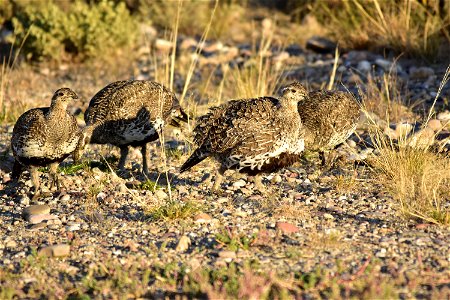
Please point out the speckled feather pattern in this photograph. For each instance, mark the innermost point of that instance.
(329, 118)
(249, 135)
(44, 135)
(129, 112)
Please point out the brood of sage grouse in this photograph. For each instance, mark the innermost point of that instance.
(329, 118)
(253, 136)
(45, 136)
(130, 113)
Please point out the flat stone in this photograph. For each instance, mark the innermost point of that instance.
(161, 195)
(420, 73)
(73, 227)
(364, 66)
(202, 218)
(239, 183)
(37, 226)
(227, 254)
(320, 45)
(434, 124)
(35, 210)
(11, 244)
(64, 198)
(444, 116)
(35, 219)
(328, 216)
(286, 227)
(183, 244)
(55, 250)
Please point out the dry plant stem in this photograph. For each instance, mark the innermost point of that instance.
(333, 72)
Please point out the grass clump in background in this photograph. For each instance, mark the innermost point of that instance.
(83, 30)
(173, 210)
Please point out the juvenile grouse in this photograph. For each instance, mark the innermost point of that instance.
(329, 118)
(130, 113)
(45, 136)
(252, 136)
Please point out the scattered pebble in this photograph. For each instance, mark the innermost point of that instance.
(286, 227)
(55, 250)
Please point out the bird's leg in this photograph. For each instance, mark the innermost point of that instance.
(123, 158)
(16, 171)
(219, 178)
(34, 174)
(145, 157)
(322, 158)
(54, 177)
(257, 180)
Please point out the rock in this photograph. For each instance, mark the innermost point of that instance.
(444, 116)
(239, 183)
(35, 210)
(188, 43)
(163, 45)
(277, 178)
(37, 226)
(286, 227)
(364, 66)
(320, 45)
(149, 31)
(351, 143)
(227, 254)
(420, 73)
(25, 200)
(385, 64)
(434, 124)
(328, 216)
(35, 219)
(161, 195)
(64, 198)
(183, 244)
(55, 250)
(11, 244)
(73, 227)
(202, 218)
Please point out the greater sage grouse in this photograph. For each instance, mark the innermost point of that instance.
(130, 113)
(329, 118)
(253, 136)
(45, 136)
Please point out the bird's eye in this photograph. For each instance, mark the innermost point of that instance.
(60, 94)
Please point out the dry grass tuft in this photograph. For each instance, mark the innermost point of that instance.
(407, 26)
(418, 180)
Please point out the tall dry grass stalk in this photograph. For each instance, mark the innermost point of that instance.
(167, 76)
(259, 76)
(7, 66)
(417, 178)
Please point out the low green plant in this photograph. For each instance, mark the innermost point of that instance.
(234, 241)
(149, 185)
(173, 210)
(84, 30)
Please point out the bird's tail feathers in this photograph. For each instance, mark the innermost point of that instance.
(196, 157)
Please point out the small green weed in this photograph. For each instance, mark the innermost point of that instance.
(174, 210)
(234, 241)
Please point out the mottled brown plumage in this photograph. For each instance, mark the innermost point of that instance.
(45, 136)
(250, 135)
(329, 118)
(130, 113)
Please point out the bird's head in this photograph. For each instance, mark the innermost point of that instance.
(64, 96)
(294, 91)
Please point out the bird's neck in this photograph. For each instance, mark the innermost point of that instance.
(57, 111)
